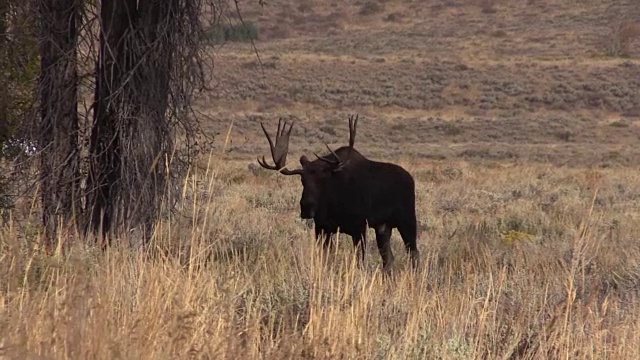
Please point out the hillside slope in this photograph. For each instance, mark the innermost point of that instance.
(439, 79)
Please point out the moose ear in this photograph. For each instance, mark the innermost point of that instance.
(303, 160)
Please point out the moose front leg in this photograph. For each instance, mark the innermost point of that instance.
(360, 246)
(383, 239)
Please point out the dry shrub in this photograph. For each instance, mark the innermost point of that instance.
(488, 6)
(620, 38)
(371, 8)
(394, 17)
(305, 6)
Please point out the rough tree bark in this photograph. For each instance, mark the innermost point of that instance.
(147, 70)
(116, 17)
(58, 132)
(4, 118)
(150, 135)
(130, 133)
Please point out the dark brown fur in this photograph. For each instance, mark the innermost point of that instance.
(345, 191)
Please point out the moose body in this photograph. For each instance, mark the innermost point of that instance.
(345, 191)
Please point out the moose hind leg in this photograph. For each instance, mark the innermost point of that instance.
(324, 236)
(383, 239)
(409, 234)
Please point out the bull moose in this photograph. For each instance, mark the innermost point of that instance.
(344, 190)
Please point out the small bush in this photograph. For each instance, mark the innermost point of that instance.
(511, 237)
(452, 129)
(564, 135)
(619, 124)
(394, 17)
(242, 32)
(371, 8)
(488, 6)
(499, 34)
(620, 37)
(329, 130)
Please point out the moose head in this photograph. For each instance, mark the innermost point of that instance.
(315, 175)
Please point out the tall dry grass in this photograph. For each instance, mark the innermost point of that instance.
(527, 261)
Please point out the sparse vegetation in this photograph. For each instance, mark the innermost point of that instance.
(371, 7)
(233, 280)
(452, 129)
(237, 32)
(488, 6)
(619, 124)
(622, 34)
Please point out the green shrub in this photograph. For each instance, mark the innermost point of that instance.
(241, 32)
(19, 67)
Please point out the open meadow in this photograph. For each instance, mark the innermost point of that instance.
(519, 122)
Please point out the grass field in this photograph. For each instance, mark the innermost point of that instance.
(518, 121)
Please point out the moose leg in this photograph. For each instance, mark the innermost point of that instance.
(409, 234)
(383, 239)
(360, 245)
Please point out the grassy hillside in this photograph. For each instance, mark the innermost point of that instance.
(519, 122)
(532, 81)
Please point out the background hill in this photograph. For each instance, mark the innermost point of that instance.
(533, 80)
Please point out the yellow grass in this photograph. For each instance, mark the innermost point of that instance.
(239, 276)
(522, 258)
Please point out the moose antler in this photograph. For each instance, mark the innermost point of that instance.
(279, 150)
(338, 163)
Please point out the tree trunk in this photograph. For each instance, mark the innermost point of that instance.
(4, 101)
(58, 138)
(141, 98)
(130, 135)
(150, 134)
(116, 18)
